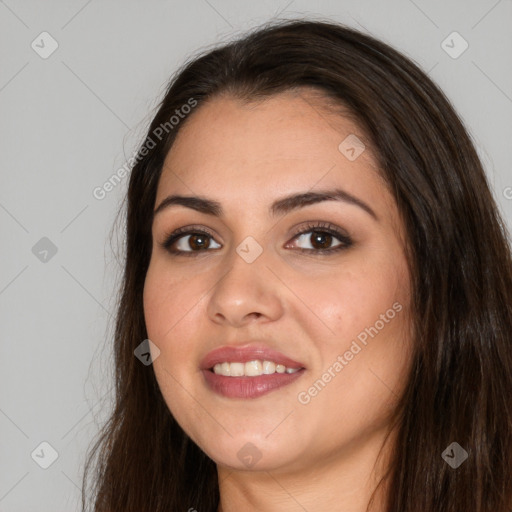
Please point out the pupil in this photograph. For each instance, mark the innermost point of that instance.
(323, 239)
(199, 241)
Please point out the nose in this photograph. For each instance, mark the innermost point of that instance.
(245, 292)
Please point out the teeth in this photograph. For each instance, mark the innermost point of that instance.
(237, 369)
(268, 367)
(251, 369)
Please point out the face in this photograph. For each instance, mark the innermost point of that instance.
(317, 286)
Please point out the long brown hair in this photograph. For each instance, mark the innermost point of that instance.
(460, 386)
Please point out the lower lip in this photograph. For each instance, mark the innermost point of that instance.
(249, 387)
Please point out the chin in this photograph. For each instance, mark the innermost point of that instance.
(251, 452)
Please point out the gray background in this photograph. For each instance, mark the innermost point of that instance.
(69, 121)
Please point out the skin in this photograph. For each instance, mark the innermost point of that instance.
(316, 456)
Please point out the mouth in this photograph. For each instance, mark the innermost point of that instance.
(251, 368)
(249, 371)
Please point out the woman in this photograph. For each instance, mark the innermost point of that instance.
(315, 255)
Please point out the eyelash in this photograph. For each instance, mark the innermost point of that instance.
(319, 227)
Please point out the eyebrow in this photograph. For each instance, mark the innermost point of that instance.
(280, 207)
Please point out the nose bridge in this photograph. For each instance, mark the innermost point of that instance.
(246, 265)
(245, 286)
(249, 237)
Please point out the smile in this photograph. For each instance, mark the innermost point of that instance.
(251, 368)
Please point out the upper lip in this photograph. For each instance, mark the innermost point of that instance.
(244, 353)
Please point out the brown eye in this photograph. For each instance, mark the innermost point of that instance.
(320, 237)
(321, 240)
(189, 241)
(199, 241)
(318, 240)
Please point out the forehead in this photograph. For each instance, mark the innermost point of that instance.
(262, 150)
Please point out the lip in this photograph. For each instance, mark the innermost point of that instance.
(248, 387)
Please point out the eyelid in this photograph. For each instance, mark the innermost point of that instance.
(302, 229)
(342, 235)
(319, 226)
(189, 229)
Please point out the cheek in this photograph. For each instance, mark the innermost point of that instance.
(365, 305)
(375, 342)
(170, 301)
(156, 301)
(172, 308)
(353, 295)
